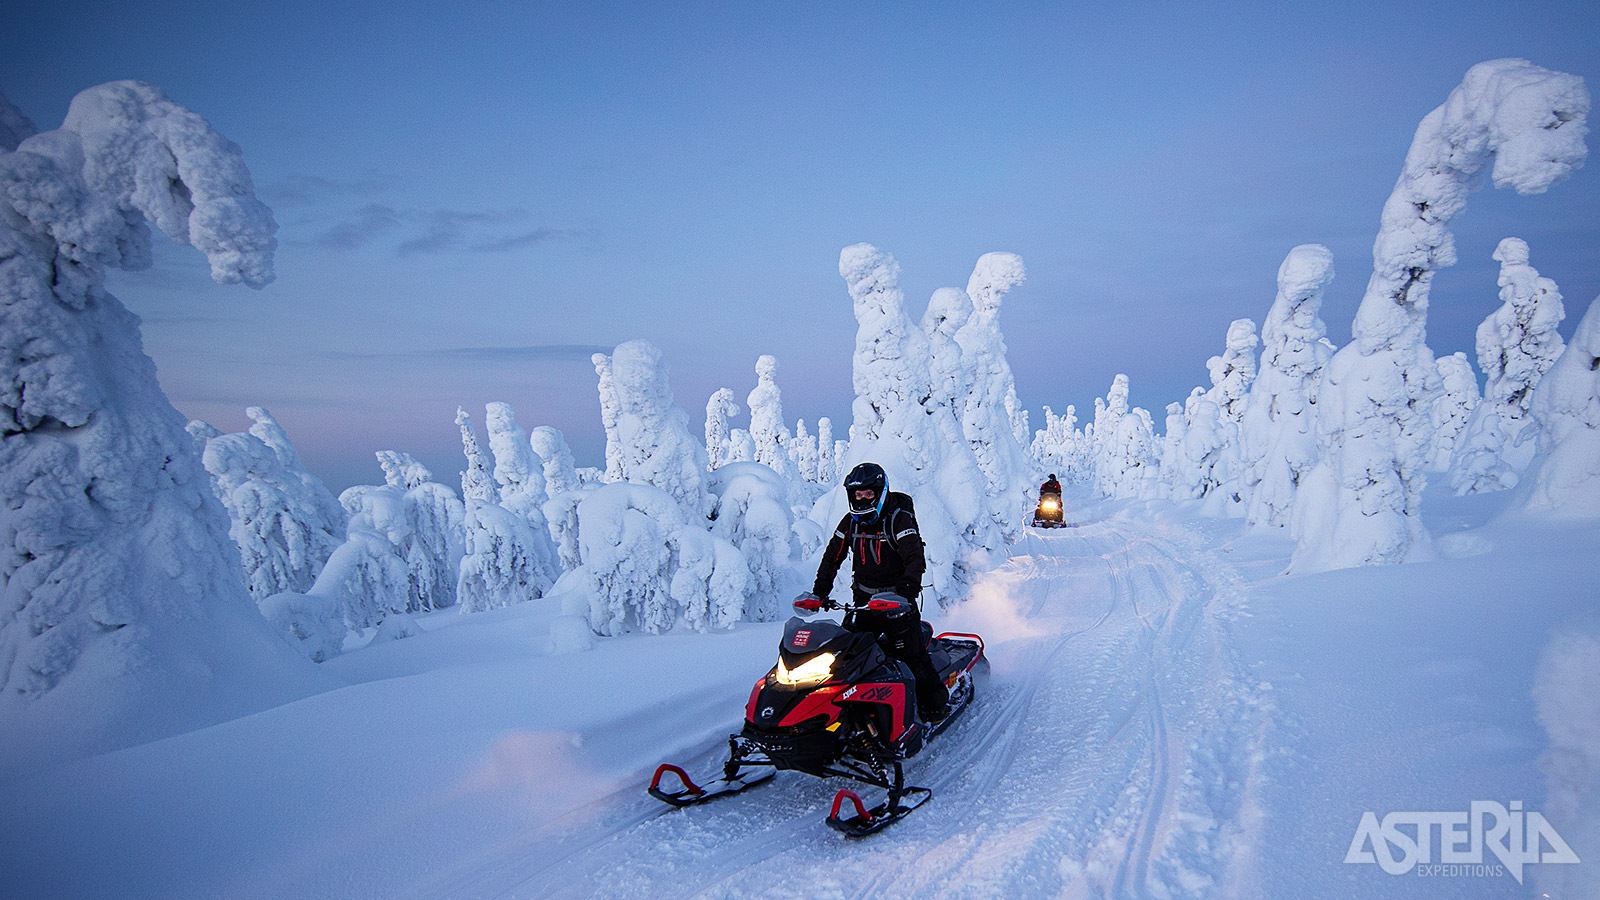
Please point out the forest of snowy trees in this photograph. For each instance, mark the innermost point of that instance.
(128, 531)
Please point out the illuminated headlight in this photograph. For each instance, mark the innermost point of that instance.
(1051, 505)
(813, 671)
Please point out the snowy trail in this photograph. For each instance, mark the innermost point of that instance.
(1108, 756)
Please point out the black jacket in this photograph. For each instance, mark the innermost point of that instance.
(887, 549)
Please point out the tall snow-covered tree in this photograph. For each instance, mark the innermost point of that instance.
(507, 557)
(1564, 480)
(767, 430)
(517, 469)
(803, 452)
(1375, 428)
(719, 409)
(117, 572)
(1517, 344)
(1452, 409)
(991, 404)
(610, 411)
(651, 442)
(280, 520)
(1278, 437)
(897, 426)
(1108, 413)
(560, 472)
(826, 473)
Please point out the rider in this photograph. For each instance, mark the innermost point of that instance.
(1050, 487)
(880, 532)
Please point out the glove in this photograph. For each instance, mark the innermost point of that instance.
(809, 603)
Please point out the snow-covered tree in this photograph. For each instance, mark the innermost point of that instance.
(989, 407)
(898, 425)
(1058, 447)
(517, 469)
(826, 471)
(645, 563)
(560, 473)
(767, 431)
(284, 531)
(651, 441)
(753, 515)
(1134, 469)
(117, 572)
(507, 556)
(803, 452)
(403, 548)
(1108, 413)
(610, 411)
(1452, 409)
(719, 409)
(1517, 344)
(1278, 438)
(1564, 479)
(320, 507)
(1374, 424)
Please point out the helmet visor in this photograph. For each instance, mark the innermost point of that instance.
(863, 499)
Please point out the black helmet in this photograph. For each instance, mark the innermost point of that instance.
(862, 479)
(1052, 476)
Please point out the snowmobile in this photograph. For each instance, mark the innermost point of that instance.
(836, 704)
(1049, 513)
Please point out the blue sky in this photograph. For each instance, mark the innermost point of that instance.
(473, 198)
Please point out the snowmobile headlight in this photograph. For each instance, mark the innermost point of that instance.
(813, 671)
(1051, 505)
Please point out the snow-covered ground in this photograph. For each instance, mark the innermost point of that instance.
(1168, 716)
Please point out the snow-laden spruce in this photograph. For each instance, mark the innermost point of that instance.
(1101, 432)
(1517, 344)
(120, 588)
(1564, 480)
(560, 471)
(1278, 440)
(803, 452)
(1452, 408)
(649, 441)
(900, 425)
(1523, 123)
(403, 547)
(284, 520)
(507, 553)
(1059, 447)
(990, 416)
(767, 430)
(719, 410)
(753, 514)
(646, 564)
(826, 472)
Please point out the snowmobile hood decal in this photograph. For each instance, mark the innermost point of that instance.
(800, 636)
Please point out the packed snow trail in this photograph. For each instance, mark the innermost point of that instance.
(1111, 755)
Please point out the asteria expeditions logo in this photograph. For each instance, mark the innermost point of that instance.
(1516, 838)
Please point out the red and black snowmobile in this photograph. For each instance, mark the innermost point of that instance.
(837, 705)
(1049, 513)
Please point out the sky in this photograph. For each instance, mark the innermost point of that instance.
(473, 199)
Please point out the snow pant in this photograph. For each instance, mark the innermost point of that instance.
(904, 640)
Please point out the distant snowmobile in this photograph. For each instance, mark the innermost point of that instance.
(1049, 512)
(837, 704)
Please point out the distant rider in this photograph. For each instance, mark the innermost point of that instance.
(1050, 487)
(880, 533)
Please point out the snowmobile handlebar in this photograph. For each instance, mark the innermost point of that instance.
(887, 602)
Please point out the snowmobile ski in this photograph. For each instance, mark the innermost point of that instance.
(692, 793)
(868, 821)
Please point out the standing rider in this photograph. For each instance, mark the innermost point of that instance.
(880, 532)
